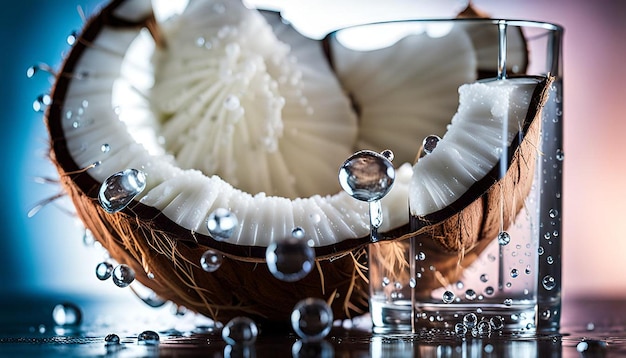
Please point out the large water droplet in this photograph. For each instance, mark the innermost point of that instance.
(290, 259)
(221, 224)
(470, 320)
(211, 260)
(548, 282)
(367, 176)
(104, 270)
(149, 338)
(240, 330)
(118, 190)
(312, 319)
(448, 297)
(67, 314)
(504, 238)
(123, 275)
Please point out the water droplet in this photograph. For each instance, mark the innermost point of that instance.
(290, 259)
(459, 284)
(548, 282)
(560, 155)
(448, 297)
(430, 143)
(388, 154)
(32, 71)
(489, 290)
(104, 270)
(67, 314)
(297, 233)
(484, 328)
(105, 148)
(484, 277)
(504, 238)
(508, 302)
(528, 270)
(593, 347)
(550, 260)
(591, 326)
(421, 256)
(232, 102)
(367, 176)
(112, 339)
(546, 314)
(470, 294)
(123, 275)
(386, 281)
(118, 190)
(488, 348)
(496, 322)
(221, 224)
(312, 319)
(240, 331)
(148, 338)
(540, 250)
(553, 213)
(71, 38)
(412, 282)
(470, 320)
(514, 273)
(211, 260)
(460, 329)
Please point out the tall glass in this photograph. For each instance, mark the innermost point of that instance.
(505, 271)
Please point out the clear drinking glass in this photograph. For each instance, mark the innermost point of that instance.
(509, 277)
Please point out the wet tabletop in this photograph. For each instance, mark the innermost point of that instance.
(593, 327)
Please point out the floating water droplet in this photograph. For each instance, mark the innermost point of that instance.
(470, 320)
(489, 290)
(240, 331)
(528, 270)
(105, 148)
(367, 176)
(504, 238)
(421, 256)
(448, 297)
(290, 259)
(496, 322)
(231, 102)
(104, 271)
(548, 282)
(123, 275)
(312, 319)
(211, 260)
(41, 102)
(32, 71)
(484, 277)
(470, 294)
(514, 273)
(460, 329)
(592, 347)
(118, 190)
(67, 314)
(148, 338)
(221, 224)
(71, 38)
(430, 143)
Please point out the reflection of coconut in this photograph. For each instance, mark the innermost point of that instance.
(222, 112)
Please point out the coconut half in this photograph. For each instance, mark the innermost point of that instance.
(222, 106)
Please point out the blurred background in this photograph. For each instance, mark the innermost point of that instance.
(46, 255)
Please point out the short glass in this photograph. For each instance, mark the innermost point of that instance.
(509, 277)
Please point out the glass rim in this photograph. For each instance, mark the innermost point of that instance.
(548, 26)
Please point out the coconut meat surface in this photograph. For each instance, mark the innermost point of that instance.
(490, 115)
(118, 106)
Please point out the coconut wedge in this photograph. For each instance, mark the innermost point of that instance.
(221, 106)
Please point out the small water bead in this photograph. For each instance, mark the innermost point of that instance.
(470, 294)
(386, 281)
(508, 302)
(105, 148)
(312, 319)
(430, 143)
(211, 260)
(290, 259)
(548, 282)
(560, 155)
(412, 282)
(240, 331)
(504, 238)
(104, 270)
(484, 277)
(421, 256)
(388, 154)
(514, 273)
(41, 102)
(470, 320)
(460, 329)
(298, 233)
(118, 190)
(592, 347)
(550, 260)
(540, 250)
(67, 314)
(221, 224)
(148, 338)
(545, 315)
(367, 176)
(123, 275)
(528, 270)
(448, 297)
(112, 339)
(553, 213)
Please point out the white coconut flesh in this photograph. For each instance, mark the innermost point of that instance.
(234, 113)
(490, 116)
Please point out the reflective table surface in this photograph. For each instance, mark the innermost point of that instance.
(591, 327)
